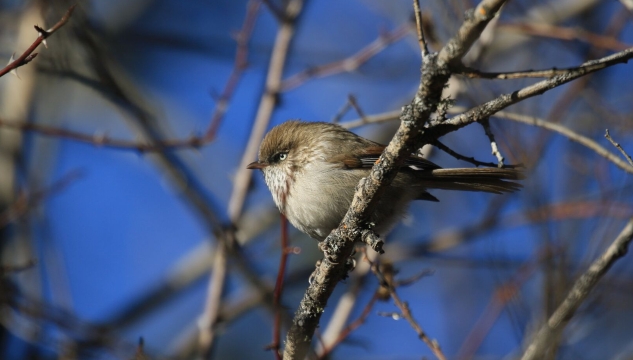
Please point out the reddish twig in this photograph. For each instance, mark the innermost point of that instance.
(28, 55)
(279, 288)
(241, 63)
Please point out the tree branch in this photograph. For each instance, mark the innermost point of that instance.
(28, 54)
(340, 243)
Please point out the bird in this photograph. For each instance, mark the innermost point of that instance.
(312, 169)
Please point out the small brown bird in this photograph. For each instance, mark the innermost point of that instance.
(312, 169)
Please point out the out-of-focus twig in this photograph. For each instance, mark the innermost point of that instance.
(348, 64)
(242, 39)
(567, 132)
(351, 327)
(28, 54)
(569, 34)
(25, 202)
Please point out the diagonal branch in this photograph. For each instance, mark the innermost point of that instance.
(28, 54)
(491, 107)
(339, 244)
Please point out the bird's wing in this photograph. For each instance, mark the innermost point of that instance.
(369, 156)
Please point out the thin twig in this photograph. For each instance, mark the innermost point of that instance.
(209, 318)
(420, 28)
(28, 54)
(354, 104)
(493, 144)
(617, 146)
(568, 34)
(471, 159)
(565, 131)
(476, 74)
(242, 39)
(494, 106)
(192, 142)
(581, 289)
(344, 109)
(406, 313)
(279, 289)
(26, 203)
(348, 64)
(208, 321)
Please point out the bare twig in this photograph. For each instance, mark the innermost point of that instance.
(420, 28)
(28, 54)
(471, 159)
(349, 64)
(406, 312)
(565, 131)
(619, 147)
(569, 34)
(26, 202)
(493, 144)
(279, 289)
(372, 119)
(354, 104)
(491, 107)
(579, 292)
(241, 63)
(476, 74)
(210, 317)
(221, 106)
(207, 322)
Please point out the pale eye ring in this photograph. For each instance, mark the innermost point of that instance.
(283, 156)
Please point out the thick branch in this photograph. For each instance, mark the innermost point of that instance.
(491, 107)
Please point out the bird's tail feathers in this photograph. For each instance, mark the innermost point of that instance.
(492, 180)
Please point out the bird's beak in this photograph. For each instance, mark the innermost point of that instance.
(256, 165)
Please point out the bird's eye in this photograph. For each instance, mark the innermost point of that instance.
(282, 156)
